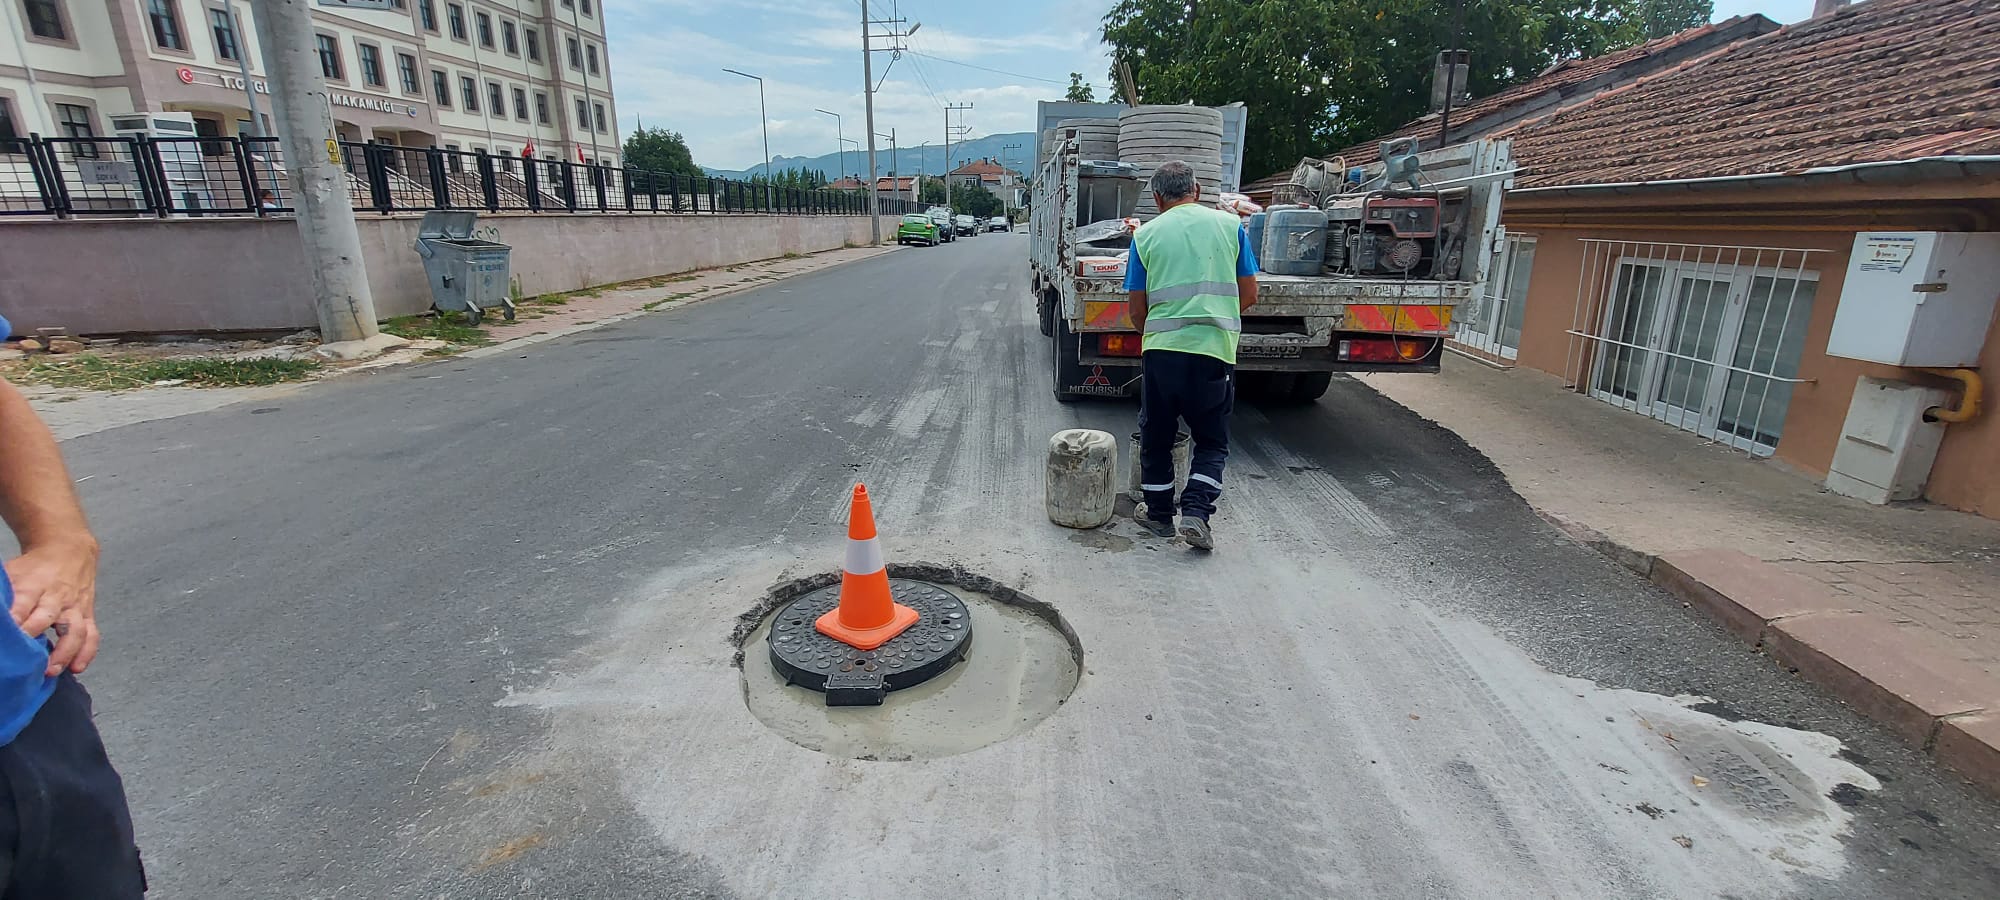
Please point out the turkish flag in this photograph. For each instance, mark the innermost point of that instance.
(529, 151)
(579, 154)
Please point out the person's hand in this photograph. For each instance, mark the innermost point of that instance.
(55, 585)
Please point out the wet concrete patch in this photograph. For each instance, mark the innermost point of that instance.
(1023, 667)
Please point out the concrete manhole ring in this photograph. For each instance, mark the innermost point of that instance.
(1023, 667)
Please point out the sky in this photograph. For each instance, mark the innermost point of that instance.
(668, 56)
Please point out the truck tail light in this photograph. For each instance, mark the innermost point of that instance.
(1118, 344)
(1385, 350)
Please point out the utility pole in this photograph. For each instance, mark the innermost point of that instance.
(949, 133)
(895, 170)
(770, 178)
(300, 109)
(868, 48)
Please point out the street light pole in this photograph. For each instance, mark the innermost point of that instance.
(763, 117)
(839, 148)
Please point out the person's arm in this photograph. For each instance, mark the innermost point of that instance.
(1246, 272)
(1135, 289)
(55, 577)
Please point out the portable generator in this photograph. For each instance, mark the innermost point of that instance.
(1382, 232)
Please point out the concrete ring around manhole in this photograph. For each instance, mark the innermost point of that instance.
(1021, 668)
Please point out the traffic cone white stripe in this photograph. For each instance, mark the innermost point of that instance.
(863, 557)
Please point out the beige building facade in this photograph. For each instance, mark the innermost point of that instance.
(500, 76)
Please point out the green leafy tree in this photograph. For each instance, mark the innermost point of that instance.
(1320, 75)
(1079, 92)
(1665, 17)
(659, 150)
(932, 192)
(975, 200)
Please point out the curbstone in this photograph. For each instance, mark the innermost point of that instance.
(1887, 674)
(1970, 746)
(1744, 593)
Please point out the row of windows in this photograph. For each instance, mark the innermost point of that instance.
(589, 115)
(46, 19)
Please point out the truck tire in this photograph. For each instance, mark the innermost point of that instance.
(1045, 310)
(1309, 387)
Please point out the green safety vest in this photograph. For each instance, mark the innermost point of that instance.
(1189, 253)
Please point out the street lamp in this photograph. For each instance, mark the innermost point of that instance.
(840, 148)
(857, 151)
(765, 119)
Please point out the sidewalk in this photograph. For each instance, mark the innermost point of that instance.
(1895, 610)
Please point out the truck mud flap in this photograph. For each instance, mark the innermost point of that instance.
(1075, 379)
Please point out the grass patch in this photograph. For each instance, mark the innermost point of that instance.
(793, 254)
(88, 371)
(450, 327)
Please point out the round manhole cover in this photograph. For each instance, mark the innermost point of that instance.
(1022, 668)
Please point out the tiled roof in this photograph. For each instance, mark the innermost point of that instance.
(1562, 82)
(1884, 80)
(980, 167)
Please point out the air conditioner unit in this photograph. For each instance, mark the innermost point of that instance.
(154, 125)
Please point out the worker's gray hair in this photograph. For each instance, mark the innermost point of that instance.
(1173, 181)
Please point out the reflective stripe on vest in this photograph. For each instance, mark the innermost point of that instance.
(1185, 291)
(1155, 326)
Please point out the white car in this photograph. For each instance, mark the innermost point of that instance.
(999, 223)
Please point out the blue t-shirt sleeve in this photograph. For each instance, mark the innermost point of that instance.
(1135, 271)
(1246, 258)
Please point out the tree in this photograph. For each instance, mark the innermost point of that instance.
(1321, 75)
(975, 200)
(659, 150)
(1665, 17)
(932, 192)
(1079, 92)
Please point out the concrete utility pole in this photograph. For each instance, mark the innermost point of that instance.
(948, 134)
(300, 109)
(868, 97)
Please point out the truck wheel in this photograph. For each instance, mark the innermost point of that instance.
(1045, 309)
(1067, 370)
(1309, 386)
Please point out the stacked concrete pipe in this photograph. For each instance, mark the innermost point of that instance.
(1150, 135)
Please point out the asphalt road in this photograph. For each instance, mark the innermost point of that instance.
(461, 630)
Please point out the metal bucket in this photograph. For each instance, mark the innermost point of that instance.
(1183, 448)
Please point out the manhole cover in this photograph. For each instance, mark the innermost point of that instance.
(854, 677)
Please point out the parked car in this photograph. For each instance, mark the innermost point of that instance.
(947, 229)
(917, 228)
(999, 223)
(967, 225)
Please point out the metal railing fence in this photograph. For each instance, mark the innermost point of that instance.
(235, 176)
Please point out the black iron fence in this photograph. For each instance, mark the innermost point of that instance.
(231, 176)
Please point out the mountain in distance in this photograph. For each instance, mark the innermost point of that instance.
(911, 160)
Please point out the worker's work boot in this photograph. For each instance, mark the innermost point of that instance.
(1159, 527)
(1194, 530)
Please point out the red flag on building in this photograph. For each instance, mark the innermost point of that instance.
(528, 151)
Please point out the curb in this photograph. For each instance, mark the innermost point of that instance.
(1908, 682)
(541, 336)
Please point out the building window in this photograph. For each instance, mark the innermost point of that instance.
(455, 15)
(165, 17)
(223, 26)
(575, 55)
(541, 108)
(586, 7)
(569, 4)
(601, 124)
(582, 114)
(468, 91)
(496, 102)
(534, 42)
(73, 121)
(406, 69)
(451, 158)
(590, 52)
(371, 64)
(427, 13)
(10, 133)
(45, 20)
(441, 86)
(521, 104)
(485, 23)
(329, 56)
(508, 39)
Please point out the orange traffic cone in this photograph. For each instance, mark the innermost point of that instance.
(867, 616)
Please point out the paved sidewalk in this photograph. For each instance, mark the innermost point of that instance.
(1894, 609)
(597, 306)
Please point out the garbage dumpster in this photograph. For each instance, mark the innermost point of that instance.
(467, 274)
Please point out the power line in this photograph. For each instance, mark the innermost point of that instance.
(985, 68)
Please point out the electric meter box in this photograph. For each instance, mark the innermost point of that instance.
(1917, 298)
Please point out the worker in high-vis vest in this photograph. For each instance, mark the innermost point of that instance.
(1189, 277)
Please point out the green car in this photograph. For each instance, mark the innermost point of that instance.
(917, 229)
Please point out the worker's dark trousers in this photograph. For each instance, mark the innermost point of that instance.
(65, 833)
(1192, 388)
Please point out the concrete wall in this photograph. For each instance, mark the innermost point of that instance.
(165, 276)
(1963, 477)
